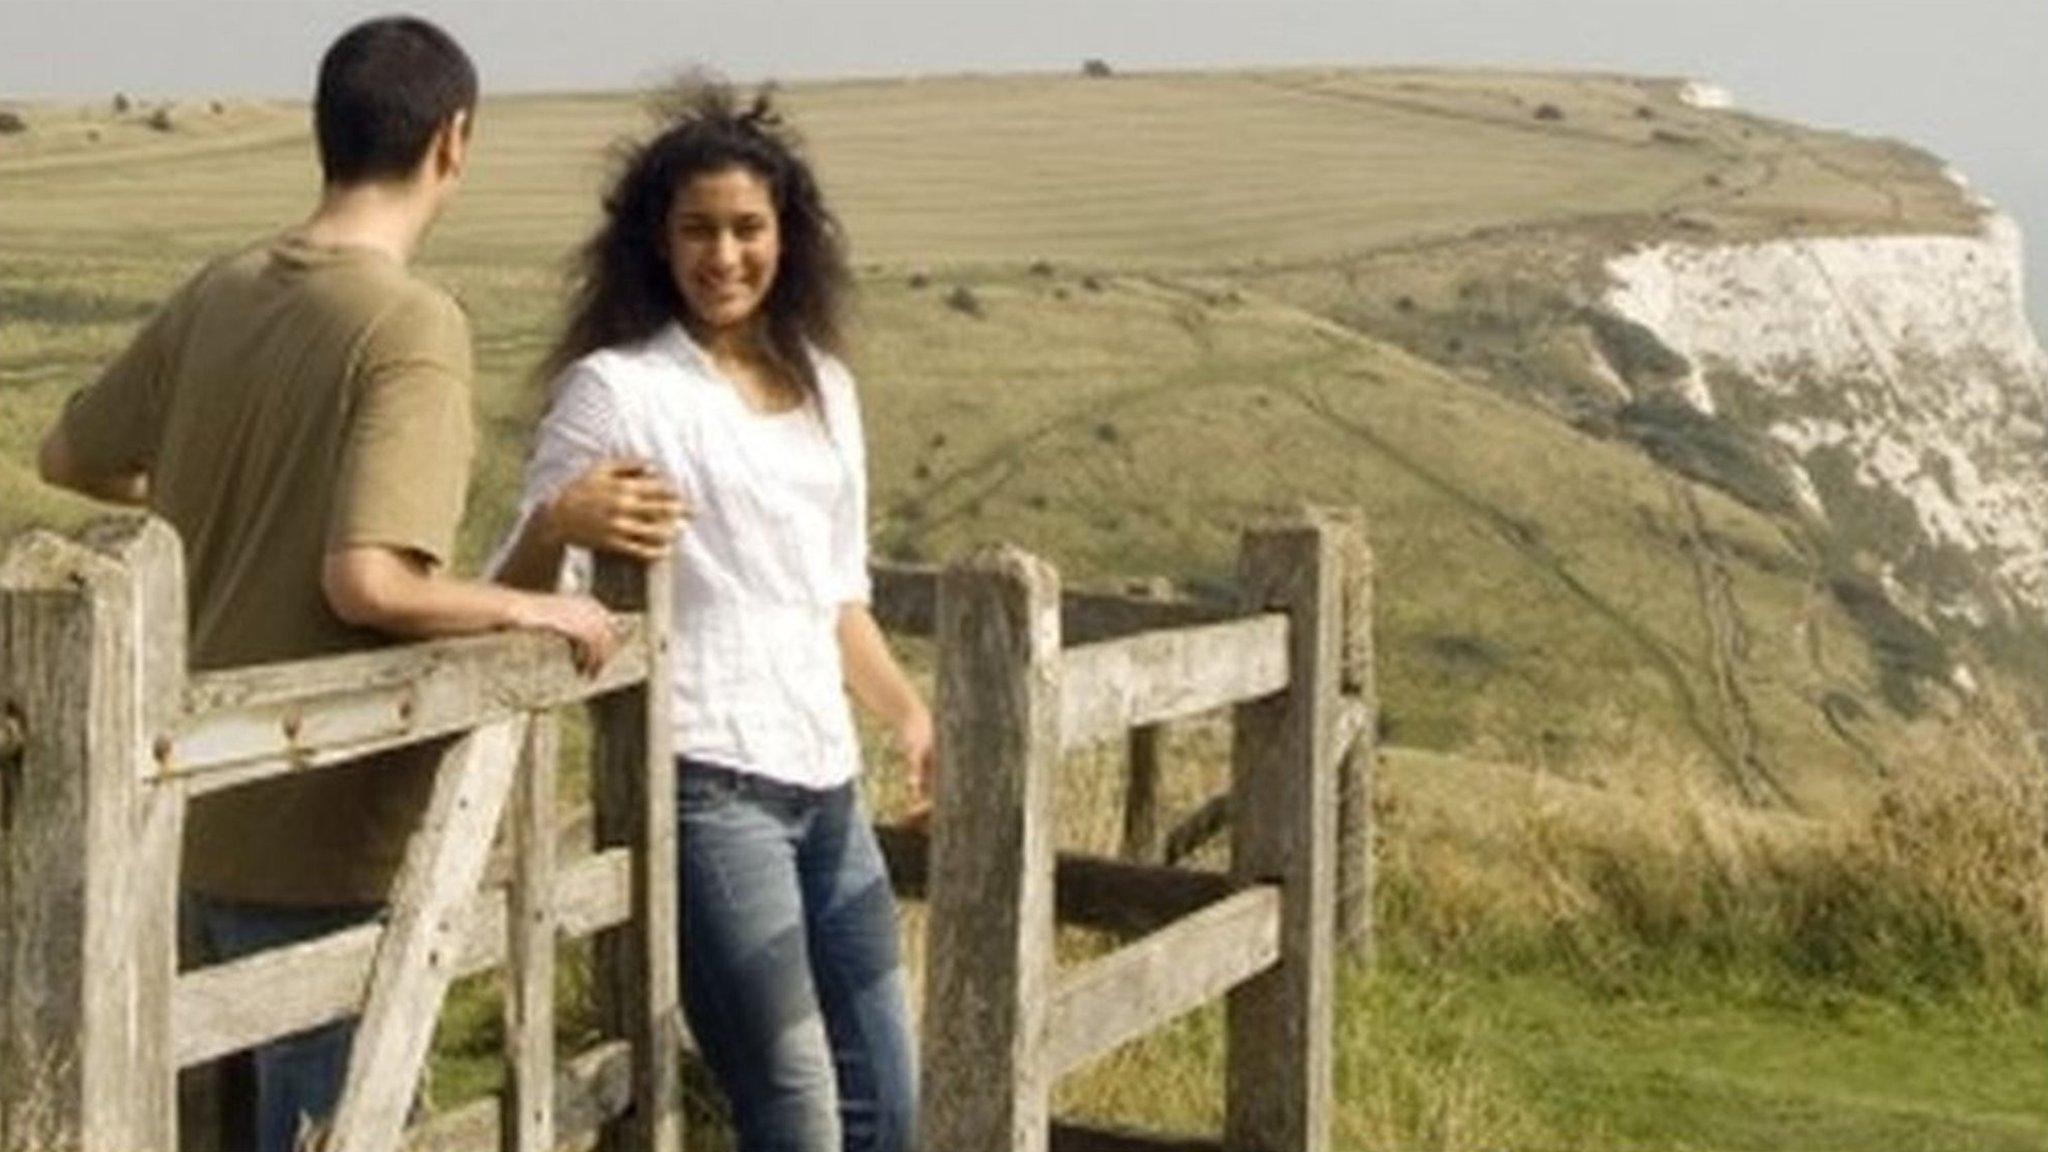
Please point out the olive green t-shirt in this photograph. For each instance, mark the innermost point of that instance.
(286, 401)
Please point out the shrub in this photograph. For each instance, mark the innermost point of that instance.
(160, 119)
(920, 279)
(1715, 452)
(963, 300)
(1633, 350)
(122, 104)
(12, 123)
(1549, 112)
(1096, 69)
(1041, 268)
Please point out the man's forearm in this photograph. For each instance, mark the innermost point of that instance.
(381, 589)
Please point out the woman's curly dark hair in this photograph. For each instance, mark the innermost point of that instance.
(621, 290)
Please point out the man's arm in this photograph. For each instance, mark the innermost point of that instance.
(59, 464)
(398, 592)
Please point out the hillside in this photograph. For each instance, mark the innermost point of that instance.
(1700, 457)
(1202, 296)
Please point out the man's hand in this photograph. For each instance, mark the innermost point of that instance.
(592, 633)
(402, 593)
(621, 506)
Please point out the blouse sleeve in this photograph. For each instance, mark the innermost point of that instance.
(582, 428)
(850, 519)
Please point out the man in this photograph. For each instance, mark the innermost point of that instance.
(300, 412)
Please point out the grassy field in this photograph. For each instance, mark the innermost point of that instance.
(1619, 900)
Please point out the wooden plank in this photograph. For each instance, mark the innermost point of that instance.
(1210, 819)
(229, 1007)
(1090, 617)
(248, 724)
(1277, 1078)
(1119, 896)
(591, 1089)
(633, 782)
(529, 1104)
(905, 597)
(986, 1082)
(1141, 793)
(416, 960)
(1070, 1137)
(91, 661)
(1133, 991)
(1112, 686)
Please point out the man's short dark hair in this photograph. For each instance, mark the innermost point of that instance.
(385, 88)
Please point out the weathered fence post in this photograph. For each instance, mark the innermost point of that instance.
(633, 779)
(987, 1086)
(1284, 829)
(528, 1114)
(92, 667)
(1356, 775)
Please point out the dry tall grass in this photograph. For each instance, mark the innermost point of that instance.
(1938, 884)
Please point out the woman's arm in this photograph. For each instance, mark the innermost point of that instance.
(580, 491)
(878, 682)
(619, 506)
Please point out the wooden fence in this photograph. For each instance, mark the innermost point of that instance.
(105, 739)
(114, 739)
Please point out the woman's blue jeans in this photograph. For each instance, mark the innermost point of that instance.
(793, 978)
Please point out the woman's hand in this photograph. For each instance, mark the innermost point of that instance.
(621, 506)
(917, 743)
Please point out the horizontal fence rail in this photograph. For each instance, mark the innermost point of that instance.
(244, 725)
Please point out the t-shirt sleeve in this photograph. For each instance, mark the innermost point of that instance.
(850, 520)
(114, 425)
(405, 459)
(581, 428)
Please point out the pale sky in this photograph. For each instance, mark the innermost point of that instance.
(1967, 79)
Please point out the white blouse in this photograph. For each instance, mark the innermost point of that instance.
(775, 543)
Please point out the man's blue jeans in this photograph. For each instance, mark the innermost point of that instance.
(793, 979)
(298, 1078)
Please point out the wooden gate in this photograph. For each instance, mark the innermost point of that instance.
(112, 739)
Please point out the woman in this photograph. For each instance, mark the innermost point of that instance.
(696, 378)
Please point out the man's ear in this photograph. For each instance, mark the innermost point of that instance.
(451, 144)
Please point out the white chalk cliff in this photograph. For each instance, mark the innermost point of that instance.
(1900, 370)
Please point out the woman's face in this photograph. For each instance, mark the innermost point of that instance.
(724, 246)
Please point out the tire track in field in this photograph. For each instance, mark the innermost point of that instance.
(1727, 643)
(997, 465)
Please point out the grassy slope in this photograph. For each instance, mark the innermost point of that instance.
(1172, 374)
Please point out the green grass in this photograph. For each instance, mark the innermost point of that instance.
(1204, 298)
